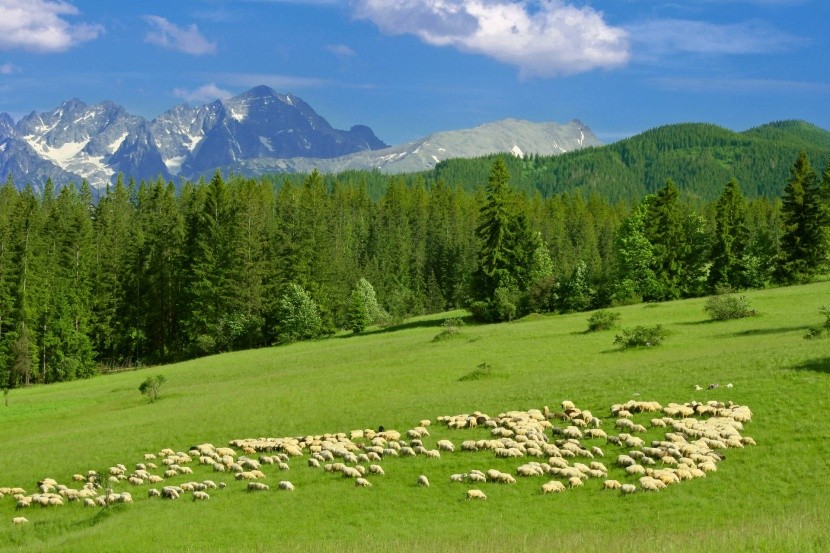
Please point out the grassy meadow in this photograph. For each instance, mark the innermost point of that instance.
(772, 497)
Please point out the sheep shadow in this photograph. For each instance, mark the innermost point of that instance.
(820, 365)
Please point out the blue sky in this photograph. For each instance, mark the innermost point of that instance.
(410, 67)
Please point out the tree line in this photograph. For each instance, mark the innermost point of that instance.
(153, 273)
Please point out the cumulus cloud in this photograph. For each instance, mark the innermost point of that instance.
(700, 37)
(40, 26)
(340, 50)
(184, 39)
(203, 94)
(541, 37)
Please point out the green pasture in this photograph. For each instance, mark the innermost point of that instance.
(772, 497)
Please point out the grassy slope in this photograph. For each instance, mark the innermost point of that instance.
(770, 497)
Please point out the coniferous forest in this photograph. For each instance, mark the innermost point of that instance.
(153, 272)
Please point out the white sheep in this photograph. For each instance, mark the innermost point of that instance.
(257, 486)
(286, 485)
(423, 481)
(554, 486)
(20, 520)
(476, 494)
(574, 481)
(626, 489)
(376, 469)
(446, 445)
(362, 483)
(200, 496)
(611, 485)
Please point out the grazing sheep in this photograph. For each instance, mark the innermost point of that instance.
(200, 496)
(362, 483)
(611, 485)
(574, 481)
(626, 489)
(458, 477)
(635, 469)
(476, 477)
(286, 485)
(152, 492)
(554, 486)
(446, 445)
(423, 481)
(20, 520)
(257, 486)
(376, 469)
(476, 494)
(89, 502)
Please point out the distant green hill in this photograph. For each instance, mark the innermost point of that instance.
(699, 157)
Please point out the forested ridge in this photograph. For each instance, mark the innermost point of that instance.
(698, 157)
(152, 272)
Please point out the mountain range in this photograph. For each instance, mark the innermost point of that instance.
(257, 132)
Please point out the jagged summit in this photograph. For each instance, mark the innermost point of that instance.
(257, 131)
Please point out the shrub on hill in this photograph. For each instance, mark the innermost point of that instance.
(641, 336)
(150, 386)
(821, 330)
(724, 306)
(603, 320)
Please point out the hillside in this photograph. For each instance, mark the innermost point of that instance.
(700, 158)
(760, 498)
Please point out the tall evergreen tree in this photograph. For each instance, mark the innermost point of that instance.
(803, 245)
(495, 233)
(730, 241)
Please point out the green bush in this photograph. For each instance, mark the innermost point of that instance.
(821, 330)
(641, 336)
(450, 331)
(603, 320)
(725, 306)
(150, 387)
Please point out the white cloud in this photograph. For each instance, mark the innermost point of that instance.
(681, 35)
(541, 37)
(340, 50)
(184, 39)
(8, 69)
(203, 94)
(277, 82)
(39, 26)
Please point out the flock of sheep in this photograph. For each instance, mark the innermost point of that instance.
(562, 447)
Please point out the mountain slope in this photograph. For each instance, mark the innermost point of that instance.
(76, 141)
(509, 135)
(700, 158)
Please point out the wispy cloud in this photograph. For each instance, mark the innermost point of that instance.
(203, 94)
(277, 82)
(40, 26)
(8, 69)
(541, 37)
(340, 50)
(663, 36)
(184, 39)
(738, 85)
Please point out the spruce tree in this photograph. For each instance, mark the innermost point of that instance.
(730, 241)
(495, 233)
(803, 244)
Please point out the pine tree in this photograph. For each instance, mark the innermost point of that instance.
(363, 307)
(803, 244)
(730, 241)
(495, 233)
